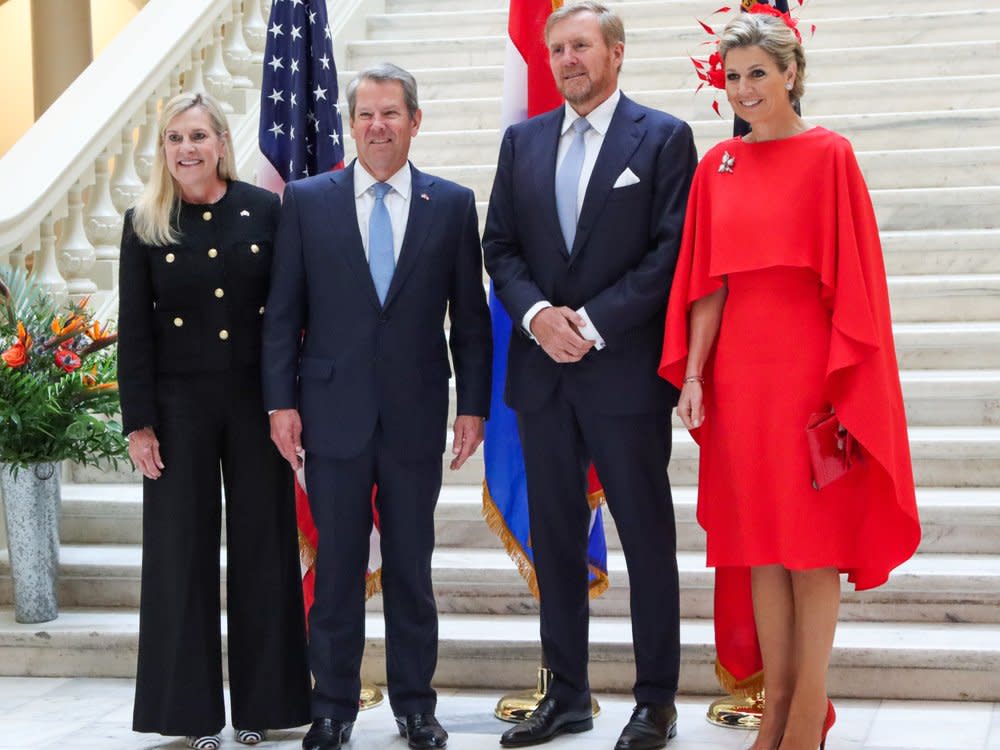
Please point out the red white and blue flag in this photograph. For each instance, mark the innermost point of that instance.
(301, 134)
(300, 129)
(528, 90)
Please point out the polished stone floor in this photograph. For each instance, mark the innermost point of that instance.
(96, 713)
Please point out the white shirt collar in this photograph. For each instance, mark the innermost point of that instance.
(400, 182)
(599, 118)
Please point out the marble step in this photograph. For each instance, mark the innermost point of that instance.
(891, 169)
(928, 588)
(949, 346)
(955, 520)
(870, 660)
(858, 66)
(945, 298)
(941, 251)
(966, 92)
(478, 43)
(675, 20)
(687, 8)
(939, 398)
(438, 146)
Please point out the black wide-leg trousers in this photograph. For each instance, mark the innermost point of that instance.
(630, 453)
(340, 500)
(213, 426)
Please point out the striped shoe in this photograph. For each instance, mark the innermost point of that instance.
(250, 736)
(208, 742)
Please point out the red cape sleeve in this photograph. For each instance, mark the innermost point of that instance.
(862, 376)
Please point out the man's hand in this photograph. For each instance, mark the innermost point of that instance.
(286, 433)
(144, 450)
(557, 330)
(468, 436)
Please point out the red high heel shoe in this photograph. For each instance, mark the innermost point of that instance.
(829, 721)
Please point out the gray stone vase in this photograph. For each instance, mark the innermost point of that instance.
(31, 504)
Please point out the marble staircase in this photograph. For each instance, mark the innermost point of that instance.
(912, 91)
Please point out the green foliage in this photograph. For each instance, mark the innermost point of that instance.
(58, 388)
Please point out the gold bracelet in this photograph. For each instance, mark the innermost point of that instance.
(694, 379)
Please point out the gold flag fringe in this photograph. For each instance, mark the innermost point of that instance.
(307, 556)
(745, 688)
(496, 523)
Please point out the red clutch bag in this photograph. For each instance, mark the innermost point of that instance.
(832, 449)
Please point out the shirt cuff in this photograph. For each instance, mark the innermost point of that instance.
(529, 316)
(589, 330)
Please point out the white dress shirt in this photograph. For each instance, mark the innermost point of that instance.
(397, 202)
(593, 139)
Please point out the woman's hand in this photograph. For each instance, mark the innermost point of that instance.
(144, 450)
(690, 407)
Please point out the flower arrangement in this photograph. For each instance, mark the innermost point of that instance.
(709, 69)
(58, 387)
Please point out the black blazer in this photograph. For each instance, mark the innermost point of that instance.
(621, 264)
(196, 306)
(358, 363)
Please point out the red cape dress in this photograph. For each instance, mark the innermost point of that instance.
(788, 225)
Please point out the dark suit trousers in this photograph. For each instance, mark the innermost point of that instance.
(340, 500)
(631, 454)
(207, 422)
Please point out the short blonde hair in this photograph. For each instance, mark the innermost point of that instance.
(160, 199)
(773, 36)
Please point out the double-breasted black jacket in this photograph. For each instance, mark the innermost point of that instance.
(195, 306)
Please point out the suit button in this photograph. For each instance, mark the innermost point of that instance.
(207, 216)
(220, 293)
(261, 310)
(170, 257)
(178, 322)
(223, 334)
(254, 249)
(212, 252)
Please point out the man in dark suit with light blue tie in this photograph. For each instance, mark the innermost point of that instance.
(368, 261)
(581, 240)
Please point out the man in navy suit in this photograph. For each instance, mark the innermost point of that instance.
(368, 262)
(581, 240)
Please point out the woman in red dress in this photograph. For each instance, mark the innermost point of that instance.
(779, 310)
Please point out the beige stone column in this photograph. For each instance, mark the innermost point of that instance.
(61, 47)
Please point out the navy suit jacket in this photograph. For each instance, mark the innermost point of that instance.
(621, 264)
(360, 362)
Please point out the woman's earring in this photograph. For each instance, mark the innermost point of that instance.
(788, 86)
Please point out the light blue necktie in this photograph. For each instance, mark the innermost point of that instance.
(568, 182)
(381, 258)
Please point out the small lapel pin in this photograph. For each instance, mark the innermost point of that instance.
(425, 196)
(727, 163)
(244, 212)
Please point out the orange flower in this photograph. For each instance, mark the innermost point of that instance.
(73, 324)
(96, 332)
(16, 356)
(89, 378)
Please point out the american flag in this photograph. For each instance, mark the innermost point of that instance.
(300, 127)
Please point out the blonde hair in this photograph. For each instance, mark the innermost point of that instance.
(773, 36)
(160, 199)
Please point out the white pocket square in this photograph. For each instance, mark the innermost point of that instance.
(625, 179)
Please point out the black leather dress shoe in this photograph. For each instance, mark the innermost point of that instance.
(649, 728)
(327, 734)
(547, 721)
(422, 731)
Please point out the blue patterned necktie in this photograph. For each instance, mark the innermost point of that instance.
(568, 182)
(381, 258)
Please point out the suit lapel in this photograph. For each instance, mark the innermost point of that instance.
(418, 223)
(624, 135)
(346, 233)
(544, 148)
